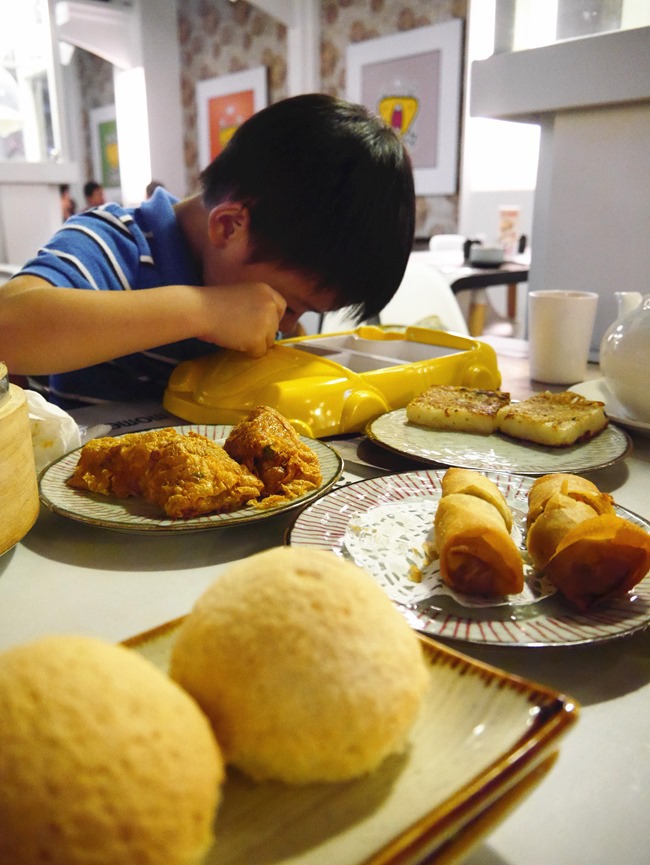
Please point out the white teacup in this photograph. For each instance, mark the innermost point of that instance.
(560, 327)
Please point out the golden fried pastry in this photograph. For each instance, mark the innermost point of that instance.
(560, 514)
(477, 554)
(196, 476)
(458, 480)
(589, 553)
(115, 465)
(574, 486)
(472, 535)
(267, 444)
(187, 475)
(600, 559)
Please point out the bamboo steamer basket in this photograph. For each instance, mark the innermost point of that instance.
(19, 503)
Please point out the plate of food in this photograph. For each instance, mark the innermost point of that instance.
(190, 478)
(471, 758)
(486, 431)
(395, 528)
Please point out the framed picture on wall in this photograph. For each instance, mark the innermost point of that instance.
(223, 104)
(105, 153)
(413, 80)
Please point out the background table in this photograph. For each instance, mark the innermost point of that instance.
(465, 277)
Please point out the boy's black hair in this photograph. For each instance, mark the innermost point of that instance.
(329, 189)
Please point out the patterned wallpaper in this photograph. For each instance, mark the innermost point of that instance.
(218, 37)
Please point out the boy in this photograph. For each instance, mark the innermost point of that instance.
(309, 207)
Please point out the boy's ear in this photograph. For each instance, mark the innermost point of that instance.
(227, 222)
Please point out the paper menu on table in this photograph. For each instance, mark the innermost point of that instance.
(125, 417)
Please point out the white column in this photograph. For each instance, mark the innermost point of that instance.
(302, 20)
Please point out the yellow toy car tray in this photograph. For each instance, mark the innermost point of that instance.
(329, 384)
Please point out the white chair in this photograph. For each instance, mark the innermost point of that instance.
(447, 243)
(423, 298)
(446, 250)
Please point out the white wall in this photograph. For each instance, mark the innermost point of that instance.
(498, 163)
(592, 204)
(593, 224)
(499, 158)
(29, 215)
(162, 66)
(30, 207)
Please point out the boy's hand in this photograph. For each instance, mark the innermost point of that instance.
(245, 317)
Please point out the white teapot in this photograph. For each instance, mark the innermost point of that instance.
(625, 355)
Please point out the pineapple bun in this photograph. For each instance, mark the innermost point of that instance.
(306, 670)
(103, 759)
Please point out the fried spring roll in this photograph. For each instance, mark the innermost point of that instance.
(560, 515)
(457, 480)
(600, 559)
(573, 486)
(477, 554)
(587, 551)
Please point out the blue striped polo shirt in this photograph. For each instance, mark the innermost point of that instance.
(112, 248)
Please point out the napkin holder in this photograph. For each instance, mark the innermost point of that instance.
(19, 501)
(329, 384)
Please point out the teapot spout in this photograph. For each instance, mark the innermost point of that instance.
(627, 301)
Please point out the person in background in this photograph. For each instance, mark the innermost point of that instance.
(68, 204)
(309, 207)
(94, 194)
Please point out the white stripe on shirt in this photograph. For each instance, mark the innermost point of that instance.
(108, 252)
(75, 261)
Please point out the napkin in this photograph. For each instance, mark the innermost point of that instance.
(54, 431)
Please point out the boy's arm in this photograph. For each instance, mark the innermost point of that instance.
(46, 330)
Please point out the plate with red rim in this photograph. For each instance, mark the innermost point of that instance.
(537, 618)
(495, 452)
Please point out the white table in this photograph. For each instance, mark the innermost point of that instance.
(592, 807)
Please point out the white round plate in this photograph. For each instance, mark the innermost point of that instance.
(598, 389)
(350, 520)
(495, 452)
(139, 516)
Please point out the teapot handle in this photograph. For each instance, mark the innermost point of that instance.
(627, 301)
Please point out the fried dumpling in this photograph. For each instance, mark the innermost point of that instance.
(185, 474)
(270, 448)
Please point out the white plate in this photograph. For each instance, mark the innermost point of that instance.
(598, 389)
(533, 619)
(139, 516)
(495, 452)
(471, 756)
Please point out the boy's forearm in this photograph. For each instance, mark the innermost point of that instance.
(46, 330)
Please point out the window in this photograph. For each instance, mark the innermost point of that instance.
(29, 127)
